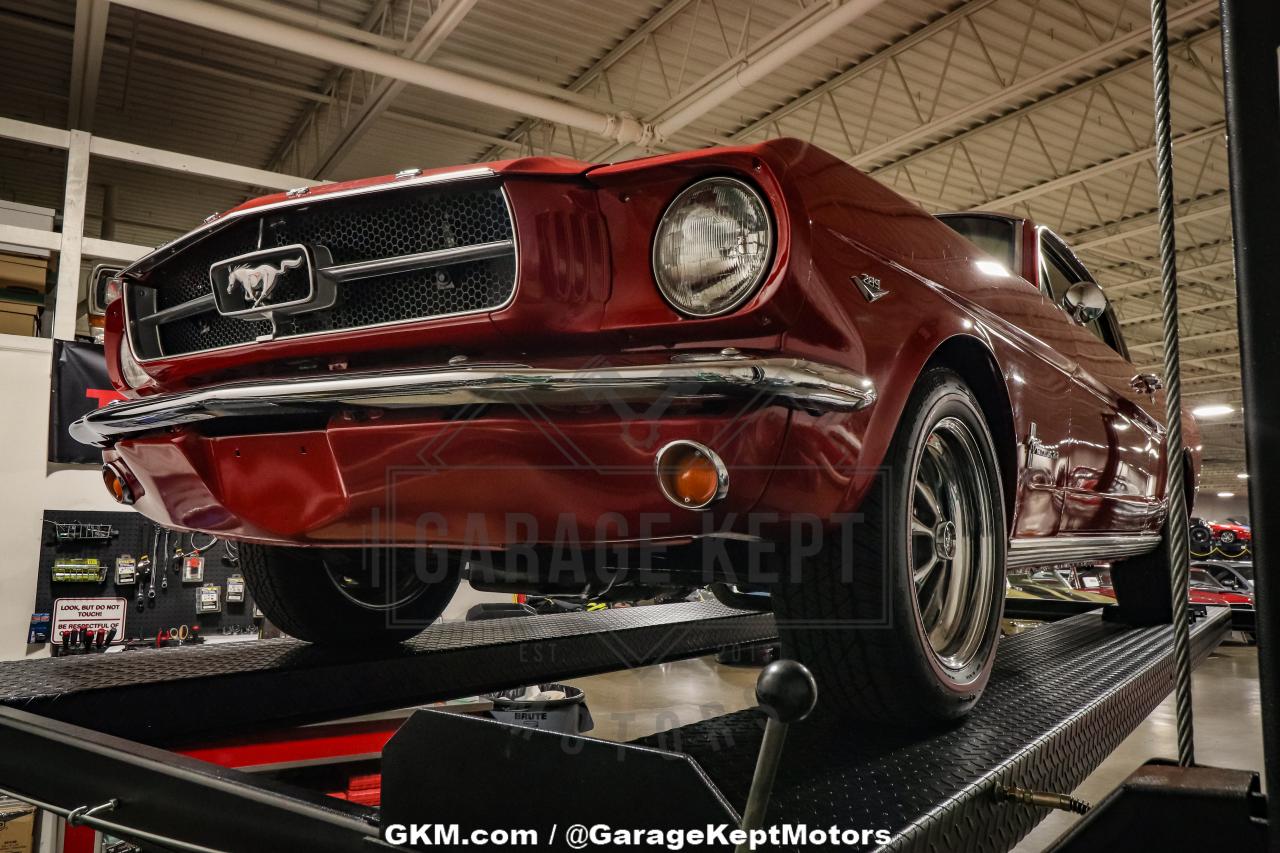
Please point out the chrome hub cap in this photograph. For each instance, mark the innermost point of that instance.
(944, 540)
(950, 548)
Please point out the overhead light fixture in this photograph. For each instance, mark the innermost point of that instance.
(1213, 410)
(1242, 476)
(1226, 494)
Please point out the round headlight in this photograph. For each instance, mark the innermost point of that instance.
(713, 247)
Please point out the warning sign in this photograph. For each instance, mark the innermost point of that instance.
(92, 613)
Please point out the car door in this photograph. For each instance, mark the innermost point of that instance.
(1115, 467)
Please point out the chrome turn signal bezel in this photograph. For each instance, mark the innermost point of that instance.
(113, 475)
(663, 464)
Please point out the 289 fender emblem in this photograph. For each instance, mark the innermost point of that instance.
(869, 285)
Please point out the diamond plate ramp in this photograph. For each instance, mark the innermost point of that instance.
(1061, 698)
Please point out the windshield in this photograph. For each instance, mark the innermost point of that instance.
(1204, 580)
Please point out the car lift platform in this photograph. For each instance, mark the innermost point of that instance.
(82, 732)
(161, 696)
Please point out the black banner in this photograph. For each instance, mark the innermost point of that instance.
(80, 385)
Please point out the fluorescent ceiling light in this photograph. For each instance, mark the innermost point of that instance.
(1226, 494)
(1213, 410)
(1242, 476)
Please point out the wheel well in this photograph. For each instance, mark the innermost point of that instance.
(970, 358)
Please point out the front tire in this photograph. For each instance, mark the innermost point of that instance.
(348, 596)
(926, 564)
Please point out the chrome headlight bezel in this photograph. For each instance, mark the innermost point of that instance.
(744, 292)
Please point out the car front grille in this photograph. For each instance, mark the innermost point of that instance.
(397, 255)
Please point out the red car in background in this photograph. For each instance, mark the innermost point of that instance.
(1230, 537)
(1204, 587)
(707, 362)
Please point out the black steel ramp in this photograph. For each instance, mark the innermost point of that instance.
(1061, 698)
(161, 696)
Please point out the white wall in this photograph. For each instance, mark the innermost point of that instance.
(24, 429)
(27, 487)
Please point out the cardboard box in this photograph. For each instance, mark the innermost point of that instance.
(23, 272)
(19, 318)
(26, 216)
(17, 832)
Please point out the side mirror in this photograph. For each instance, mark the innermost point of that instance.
(1085, 301)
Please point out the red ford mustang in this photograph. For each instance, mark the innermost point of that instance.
(752, 366)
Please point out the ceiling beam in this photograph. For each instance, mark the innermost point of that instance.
(1217, 333)
(282, 36)
(1142, 63)
(634, 39)
(86, 61)
(1120, 260)
(765, 58)
(249, 81)
(1138, 282)
(1124, 161)
(1183, 311)
(1229, 355)
(313, 20)
(443, 21)
(982, 109)
(862, 67)
(802, 31)
(1093, 238)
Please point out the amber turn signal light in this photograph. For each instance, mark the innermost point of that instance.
(117, 484)
(691, 475)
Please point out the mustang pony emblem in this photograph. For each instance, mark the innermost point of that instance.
(258, 281)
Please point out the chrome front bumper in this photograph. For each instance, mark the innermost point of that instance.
(771, 381)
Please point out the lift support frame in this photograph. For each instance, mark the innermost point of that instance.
(81, 732)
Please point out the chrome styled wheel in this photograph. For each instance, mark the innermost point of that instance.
(899, 620)
(950, 550)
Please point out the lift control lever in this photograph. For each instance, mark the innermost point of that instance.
(786, 692)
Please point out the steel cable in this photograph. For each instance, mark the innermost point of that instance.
(1176, 520)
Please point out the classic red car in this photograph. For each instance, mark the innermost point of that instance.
(1203, 588)
(749, 365)
(1228, 536)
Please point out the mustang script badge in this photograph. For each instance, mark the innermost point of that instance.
(259, 281)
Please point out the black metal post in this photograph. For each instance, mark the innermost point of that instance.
(1250, 45)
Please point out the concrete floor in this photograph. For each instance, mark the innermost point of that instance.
(640, 702)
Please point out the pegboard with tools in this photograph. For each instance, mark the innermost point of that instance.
(167, 579)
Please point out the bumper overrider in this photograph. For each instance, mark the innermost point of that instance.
(473, 455)
(785, 381)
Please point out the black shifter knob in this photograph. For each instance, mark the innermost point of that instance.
(786, 691)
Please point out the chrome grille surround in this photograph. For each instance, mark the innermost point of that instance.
(426, 248)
